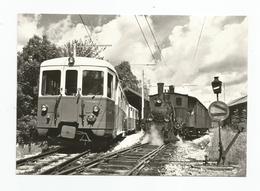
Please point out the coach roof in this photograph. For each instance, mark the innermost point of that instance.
(79, 61)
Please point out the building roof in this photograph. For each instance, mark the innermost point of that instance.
(238, 101)
(134, 93)
(135, 99)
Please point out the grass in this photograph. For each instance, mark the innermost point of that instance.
(22, 151)
(237, 153)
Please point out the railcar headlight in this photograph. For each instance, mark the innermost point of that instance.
(96, 109)
(178, 125)
(91, 118)
(150, 118)
(167, 119)
(44, 110)
(158, 102)
(71, 61)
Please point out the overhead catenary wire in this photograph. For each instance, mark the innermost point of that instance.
(89, 35)
(145, 38)
(156, 42)
(198, 42)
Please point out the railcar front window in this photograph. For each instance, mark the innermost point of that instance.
(51, 82)
(92, 82)
(71, 82)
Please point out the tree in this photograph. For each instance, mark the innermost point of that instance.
(84, 49)
(28, 66)
(128, 79)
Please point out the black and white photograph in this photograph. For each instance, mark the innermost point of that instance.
(143, 95)
(129, 95)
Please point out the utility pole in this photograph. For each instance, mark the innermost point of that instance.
(142, 116)
(224, 85)
(142, 107)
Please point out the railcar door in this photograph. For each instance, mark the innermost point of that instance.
(71, 99)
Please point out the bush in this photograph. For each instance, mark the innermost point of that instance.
(26, 129)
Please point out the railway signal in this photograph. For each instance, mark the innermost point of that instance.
(216, 86)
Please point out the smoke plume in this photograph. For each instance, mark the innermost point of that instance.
(153, 137)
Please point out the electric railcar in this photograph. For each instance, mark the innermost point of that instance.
(81, 100)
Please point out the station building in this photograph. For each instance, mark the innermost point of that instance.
(237, 112)
(135, 99)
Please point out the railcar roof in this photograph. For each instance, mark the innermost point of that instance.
(79, 61)
(182, 95)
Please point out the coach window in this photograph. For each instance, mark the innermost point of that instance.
(92, 82)
(71, 82)
(109, 85)
(51, 82)
(178, 101)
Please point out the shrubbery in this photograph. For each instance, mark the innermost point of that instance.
(26, 130)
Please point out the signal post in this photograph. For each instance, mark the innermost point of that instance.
(218, 112)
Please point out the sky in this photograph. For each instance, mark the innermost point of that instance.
(193, 49)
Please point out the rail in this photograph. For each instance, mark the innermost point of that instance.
(28, 159)
(94, 162)
(136, 169)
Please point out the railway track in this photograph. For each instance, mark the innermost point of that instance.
(48, 162)
(36, 157)
(139, 159)
(129, 161)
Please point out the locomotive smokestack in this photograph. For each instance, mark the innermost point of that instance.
(160, 89)
(171, 89)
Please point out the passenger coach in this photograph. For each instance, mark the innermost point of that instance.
(81, 99)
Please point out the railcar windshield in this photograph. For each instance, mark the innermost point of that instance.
(71, 82)
(92, 82)
(51, 82)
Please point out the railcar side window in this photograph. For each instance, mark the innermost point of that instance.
(109, 86)
(51, 82)
(71, 82)
(92, 82)
(178, 101)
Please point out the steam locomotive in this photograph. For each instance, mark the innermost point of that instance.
(179, 114)
(162, 116)
(81, 101)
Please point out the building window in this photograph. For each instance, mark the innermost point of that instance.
(178, 101)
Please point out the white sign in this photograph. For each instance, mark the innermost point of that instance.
(218, 111)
